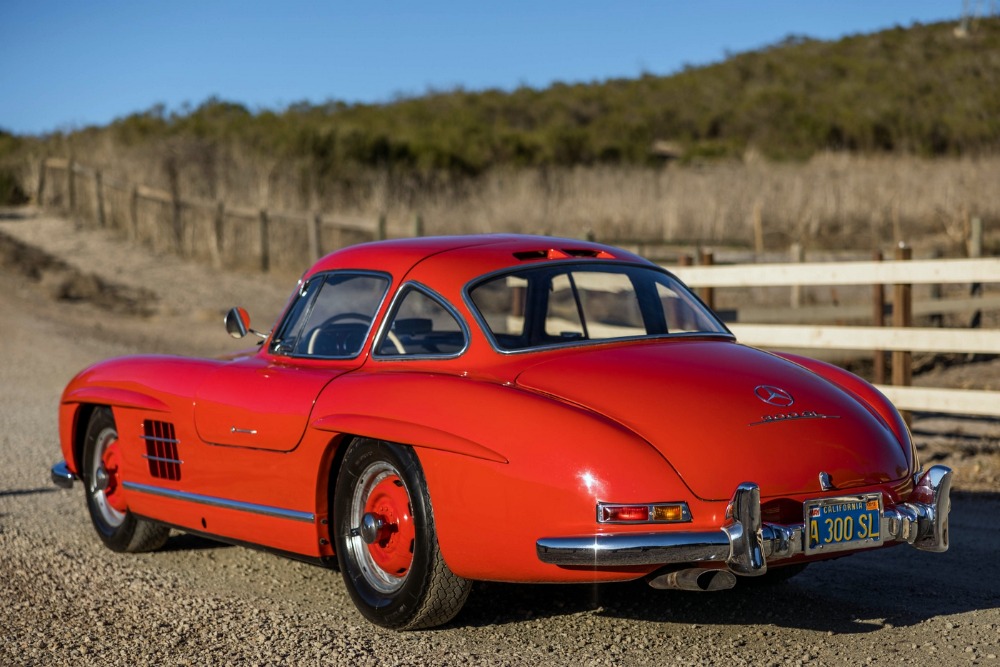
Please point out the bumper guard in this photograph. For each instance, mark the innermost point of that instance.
(61, 476)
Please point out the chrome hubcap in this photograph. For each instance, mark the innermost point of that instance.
(370, 527)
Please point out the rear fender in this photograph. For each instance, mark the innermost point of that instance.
(503, 465)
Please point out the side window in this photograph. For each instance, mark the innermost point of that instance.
(592, 305)
(562, 320)
(682, 314)
(332, 316)
(501, 303)
(421, 325)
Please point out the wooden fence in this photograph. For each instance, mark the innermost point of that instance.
(901, 339)
(263, 239)
(215, 231)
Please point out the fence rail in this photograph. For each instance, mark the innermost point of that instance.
(901, 340)
(228, 235)
(929, 271)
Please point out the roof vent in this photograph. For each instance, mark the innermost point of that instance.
(556, 253)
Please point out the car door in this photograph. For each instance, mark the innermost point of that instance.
(264, 401)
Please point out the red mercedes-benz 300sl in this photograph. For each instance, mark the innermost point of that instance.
(431, 412)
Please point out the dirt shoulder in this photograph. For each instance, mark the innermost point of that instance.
(67, 600)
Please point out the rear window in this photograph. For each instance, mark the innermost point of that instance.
(573, 303)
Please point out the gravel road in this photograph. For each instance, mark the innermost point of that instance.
(66, 600)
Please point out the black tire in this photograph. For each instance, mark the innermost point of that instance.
(393, 570)
(117, 527)
(775, 576)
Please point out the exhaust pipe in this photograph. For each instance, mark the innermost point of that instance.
(694, 579)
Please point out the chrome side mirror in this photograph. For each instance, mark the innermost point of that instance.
(237, 322)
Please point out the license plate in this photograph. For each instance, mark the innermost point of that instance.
(852, 522)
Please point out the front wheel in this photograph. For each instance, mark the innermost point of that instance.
(385, 540)
(118, 528)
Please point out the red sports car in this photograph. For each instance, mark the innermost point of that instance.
(434, 411)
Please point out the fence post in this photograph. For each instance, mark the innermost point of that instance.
(265, 242)
(380, 227)
(219, 229)
(418, 225)
(976, 251)
(902, 317)
(313, 226)
(71, 183)
(134, 212)
(878, 320)
(99, 191)
(39, 200)
(797, 254)
(707, 294)
(178, 222)
(936, 319)
(758, 228)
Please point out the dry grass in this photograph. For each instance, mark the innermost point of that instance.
(832, 201)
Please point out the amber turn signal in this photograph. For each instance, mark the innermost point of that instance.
(651, 513)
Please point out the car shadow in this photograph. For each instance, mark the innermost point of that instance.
(897, 586)
(189, 542)
(27, 492)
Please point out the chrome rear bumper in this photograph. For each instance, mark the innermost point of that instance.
(745, 544)
(61, 475)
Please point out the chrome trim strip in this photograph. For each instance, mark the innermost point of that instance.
(153, 438)
(61, 476)
(225, 503)
(745, 544)
(162, 459)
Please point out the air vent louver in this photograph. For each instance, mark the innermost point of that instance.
(161, 450)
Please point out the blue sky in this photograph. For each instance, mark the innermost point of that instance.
(65, 64)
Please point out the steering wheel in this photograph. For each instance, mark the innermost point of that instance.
(361, 317)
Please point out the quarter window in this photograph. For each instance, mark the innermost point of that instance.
(420, 325)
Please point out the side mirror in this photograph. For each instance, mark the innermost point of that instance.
(237, 322)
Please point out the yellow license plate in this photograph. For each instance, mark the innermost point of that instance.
(852, 522)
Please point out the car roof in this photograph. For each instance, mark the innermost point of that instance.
(479, 253)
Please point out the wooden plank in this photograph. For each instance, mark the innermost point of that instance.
(154, 194)
(805, 314)
(780, 336)
(952, 401)
(842, 273)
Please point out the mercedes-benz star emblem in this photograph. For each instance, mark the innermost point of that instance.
(773, 395)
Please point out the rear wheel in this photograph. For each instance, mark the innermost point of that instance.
(385, 540)
(118, 528)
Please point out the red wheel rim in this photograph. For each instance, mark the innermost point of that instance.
(392, 550)
(111, 459)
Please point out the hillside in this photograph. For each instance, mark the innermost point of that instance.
(866, 140)
(919, 90)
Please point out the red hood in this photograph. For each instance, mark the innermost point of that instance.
(696, 402)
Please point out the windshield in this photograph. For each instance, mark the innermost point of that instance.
(572, 303)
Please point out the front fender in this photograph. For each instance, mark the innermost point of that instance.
(149, 383)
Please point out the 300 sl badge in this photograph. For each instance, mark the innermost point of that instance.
(792, 416)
